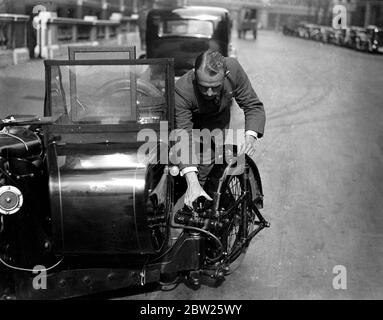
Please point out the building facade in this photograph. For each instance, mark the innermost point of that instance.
(71, 8)
(273, 14)
(63, 23)
(366, 12)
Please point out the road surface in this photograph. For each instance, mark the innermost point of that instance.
(321, 162)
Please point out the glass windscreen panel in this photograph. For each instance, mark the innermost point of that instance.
(186, 27)
(108, 94)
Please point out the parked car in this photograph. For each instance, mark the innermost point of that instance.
(291, 27)
(301, 30)
(339, 37)
(362, 41)
(79, 204)
(315, 32)
(247, 21)
(350, 37)
(287, 30)
(309, 31)
(369, 39)
(374, 41)
(183, 33)
(327, 34)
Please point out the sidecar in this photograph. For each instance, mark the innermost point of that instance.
(88, 201)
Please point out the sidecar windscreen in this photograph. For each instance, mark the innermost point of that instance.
(109, 91)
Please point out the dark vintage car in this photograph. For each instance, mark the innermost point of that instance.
(339, 37)
(327, 35)
(247, 21)
(83, 209)
(304, 30)
(370, 39)
(315, 32)
(183, 33)
(367, 39)
(350, 37)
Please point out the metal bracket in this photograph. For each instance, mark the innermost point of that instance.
(143, 277)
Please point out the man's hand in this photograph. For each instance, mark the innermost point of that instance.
(250, 145)
(194, 189)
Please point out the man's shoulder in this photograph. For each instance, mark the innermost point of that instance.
(184, 85)
(232, 64)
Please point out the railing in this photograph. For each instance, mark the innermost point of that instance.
(55, 32)
(13, 31)
(129, 24)
(76, 30)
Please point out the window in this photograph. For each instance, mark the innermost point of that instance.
(185, 27)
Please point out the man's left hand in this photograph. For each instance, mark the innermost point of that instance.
(250, 145)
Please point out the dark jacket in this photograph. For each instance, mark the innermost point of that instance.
(192, 111)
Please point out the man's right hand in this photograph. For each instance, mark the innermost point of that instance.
(194, 190)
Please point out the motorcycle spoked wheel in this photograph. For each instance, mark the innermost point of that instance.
(233, 234)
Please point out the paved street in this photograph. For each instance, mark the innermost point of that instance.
(22, 89)
(321, 162)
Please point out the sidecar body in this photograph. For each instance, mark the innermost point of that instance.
(87, 200)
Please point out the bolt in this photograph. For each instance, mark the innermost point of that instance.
(62, 283)
(86, 280)
(111, 276)
(47, 244)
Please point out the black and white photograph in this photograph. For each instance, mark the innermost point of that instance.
(196, 152)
